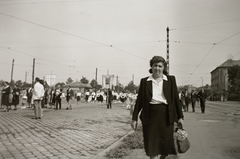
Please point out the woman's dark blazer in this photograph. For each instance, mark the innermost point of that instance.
(5, 96)
(145, 95)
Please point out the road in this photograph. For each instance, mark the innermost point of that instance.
(229, 108)
(213, 135)
(89, 129)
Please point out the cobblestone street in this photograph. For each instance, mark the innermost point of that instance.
(80, 133)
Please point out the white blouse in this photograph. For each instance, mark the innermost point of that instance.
(157, 90)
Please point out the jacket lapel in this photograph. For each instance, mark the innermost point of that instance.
(149, 86)
(166, 89)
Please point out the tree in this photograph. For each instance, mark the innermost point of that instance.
(84, 80)
(1, 83)
(93, 83)
(131, 87)
(69, 80)
(19, 83)
(26, 85)
(234, 79)
(119, 87)
(61, 84)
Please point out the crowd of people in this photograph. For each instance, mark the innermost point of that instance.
(186, 98)
(39, 97)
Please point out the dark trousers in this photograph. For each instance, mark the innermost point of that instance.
(109, 105)
(58, 101)
(202, 105)
(193, 105)
(186, 106)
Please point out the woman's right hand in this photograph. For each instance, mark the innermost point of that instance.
(134, 125)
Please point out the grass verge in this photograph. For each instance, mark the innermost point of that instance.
(128, 144)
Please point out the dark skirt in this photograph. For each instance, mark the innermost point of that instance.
(158, 134)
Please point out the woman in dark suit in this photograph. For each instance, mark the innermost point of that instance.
(16, 93)
(5, 96)
(160, 107)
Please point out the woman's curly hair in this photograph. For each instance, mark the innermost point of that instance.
(157, 59)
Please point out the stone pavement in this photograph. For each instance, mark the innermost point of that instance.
(81, 133)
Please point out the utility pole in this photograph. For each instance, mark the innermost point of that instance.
(133, 79)
(167, 50)
(33, 72)
(96, 78)
(12, 71)
(117, 85)
(25, 76)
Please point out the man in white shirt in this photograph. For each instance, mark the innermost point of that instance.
(38, 94)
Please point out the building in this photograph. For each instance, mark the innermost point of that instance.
(76, 86)
(219, 76)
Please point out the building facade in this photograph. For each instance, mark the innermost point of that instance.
(219, 76)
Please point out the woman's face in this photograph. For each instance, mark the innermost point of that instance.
(157, 69)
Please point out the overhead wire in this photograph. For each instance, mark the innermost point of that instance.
(53, 29)
(111, 46)
(32, 55)
(236, 54)
(199, 25)
(41, 2)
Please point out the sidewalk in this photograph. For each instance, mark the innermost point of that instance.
(80, 133)
(211, 135)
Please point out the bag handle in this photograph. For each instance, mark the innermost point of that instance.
(180, 125)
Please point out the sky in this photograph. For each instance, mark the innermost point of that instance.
(74, 38)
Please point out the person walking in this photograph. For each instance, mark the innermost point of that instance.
(46, 97)
(68, 97)
(5, 96)
(29, 97)
(87, 95)
(58, 99)
(202, 97)
(109, 98)
(193, 99)
(38, 94)
(160, 107)
(16, 94)
(183, 101)
(187, 99)
(79, 96)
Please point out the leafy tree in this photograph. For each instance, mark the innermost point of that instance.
(119, 88)
(84, 80)
(1, 83)
(19, 83)
(61, 84)
(131, 87)
(93, 83)
(12, 83)
(234, 79)
(26, 85)
(69, 80)
(98, 87)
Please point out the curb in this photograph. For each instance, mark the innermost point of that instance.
(101, 155)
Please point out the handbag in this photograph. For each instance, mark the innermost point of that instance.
(183, 143)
